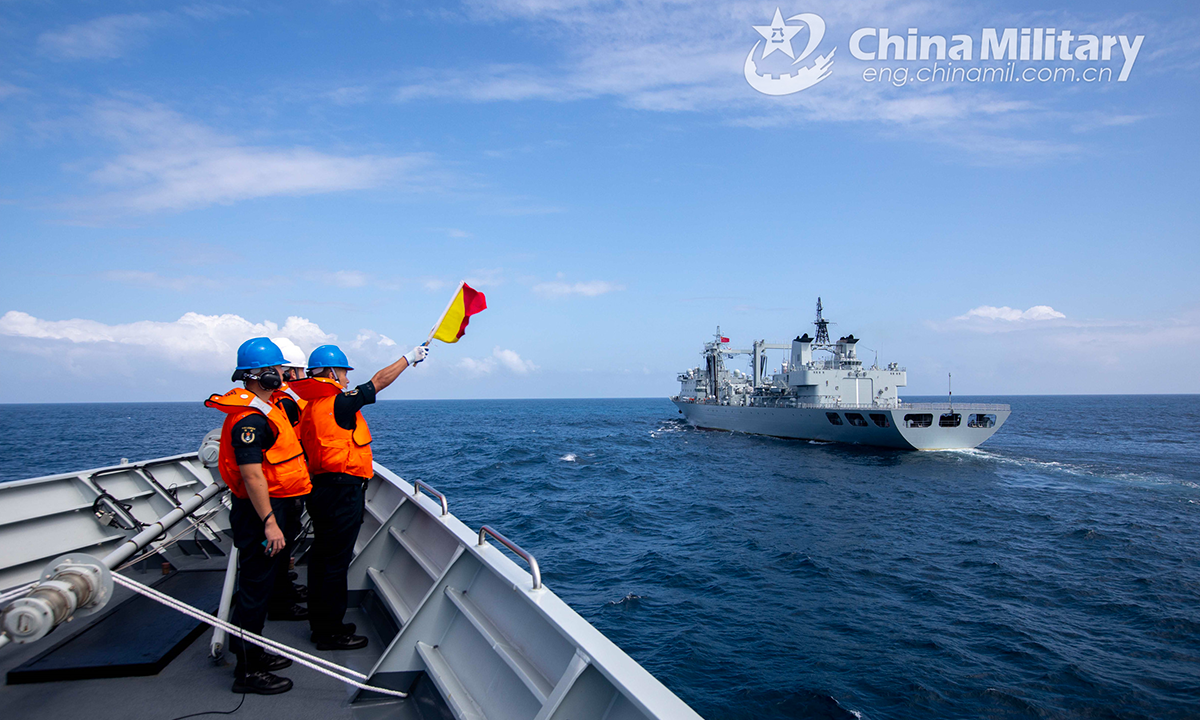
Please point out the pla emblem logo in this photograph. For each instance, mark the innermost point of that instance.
(770, 71)
(247, 435)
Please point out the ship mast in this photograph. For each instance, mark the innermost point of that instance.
(822, 327)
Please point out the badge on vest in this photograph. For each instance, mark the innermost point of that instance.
(247, 435)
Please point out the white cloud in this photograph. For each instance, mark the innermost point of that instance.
(372, 343)
(7, 89)
(512, 361)
(348, 278)
(663, 55)
(1012, 315)
(144, 279)
(103, 38)
(490, 277)
(194, 340)
(499, 359)
(559, 288)
(173, 163)
(112, 36)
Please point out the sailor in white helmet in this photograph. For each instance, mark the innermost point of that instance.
(287, 596)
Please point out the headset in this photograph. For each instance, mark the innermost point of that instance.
(269, 378)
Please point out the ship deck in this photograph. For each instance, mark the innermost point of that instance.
(194, 683)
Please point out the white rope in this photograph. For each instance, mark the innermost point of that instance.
(225, 625)
(16, 592)
(333, 670)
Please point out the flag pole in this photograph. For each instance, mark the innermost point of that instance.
(438, 324)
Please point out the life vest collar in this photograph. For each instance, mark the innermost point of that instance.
(315, 388)
(237, 400)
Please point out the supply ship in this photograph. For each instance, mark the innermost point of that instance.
(823, 392)
(110, 579)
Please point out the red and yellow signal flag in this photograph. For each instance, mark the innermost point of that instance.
(467, 302)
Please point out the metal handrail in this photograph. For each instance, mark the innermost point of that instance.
(533, 564)
(418, 484)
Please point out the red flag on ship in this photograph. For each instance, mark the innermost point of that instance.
(724, 339)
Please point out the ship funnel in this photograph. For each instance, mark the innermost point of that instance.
(802, 351)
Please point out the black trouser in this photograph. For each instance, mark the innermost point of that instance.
(336, 510)
(283, 595)
(257, 573)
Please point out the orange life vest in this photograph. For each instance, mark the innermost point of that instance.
(278, 396)
(330, 447)
(283, 466)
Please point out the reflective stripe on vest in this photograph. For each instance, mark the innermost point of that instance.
(330, 447)
(285, 393)
(284, 465)
(289, 392)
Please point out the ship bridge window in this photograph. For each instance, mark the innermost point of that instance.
(980, 420)
(880, 419)
(856, 419)
(918, 420)
(949, 420)
(834, 418)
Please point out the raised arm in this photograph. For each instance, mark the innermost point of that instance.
(388, 375)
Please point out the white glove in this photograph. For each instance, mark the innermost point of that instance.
(416, 355)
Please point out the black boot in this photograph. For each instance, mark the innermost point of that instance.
(299, 592)
(295, 612)
(261, 683)
(271, 662)
(339, 641)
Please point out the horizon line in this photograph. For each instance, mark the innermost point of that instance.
(630, 397)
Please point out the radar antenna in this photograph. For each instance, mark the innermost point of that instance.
(822, 327)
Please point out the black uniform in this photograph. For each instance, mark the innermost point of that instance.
(336, 510)
(286, 594)
(257, 572)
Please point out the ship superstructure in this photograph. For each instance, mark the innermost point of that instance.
(823, 391)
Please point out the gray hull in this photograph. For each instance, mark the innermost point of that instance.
(815, 424)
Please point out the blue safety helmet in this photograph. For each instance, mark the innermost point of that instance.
(255, 353)
(328, 356)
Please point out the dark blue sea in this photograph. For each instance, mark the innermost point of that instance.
(1052, 573)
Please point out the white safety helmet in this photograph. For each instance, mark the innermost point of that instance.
(292, 353)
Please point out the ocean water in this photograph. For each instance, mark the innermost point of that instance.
(1052, 573)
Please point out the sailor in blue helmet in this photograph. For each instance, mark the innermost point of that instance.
(262, 462)
(337, 443)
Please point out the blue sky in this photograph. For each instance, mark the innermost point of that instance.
(177, 178)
